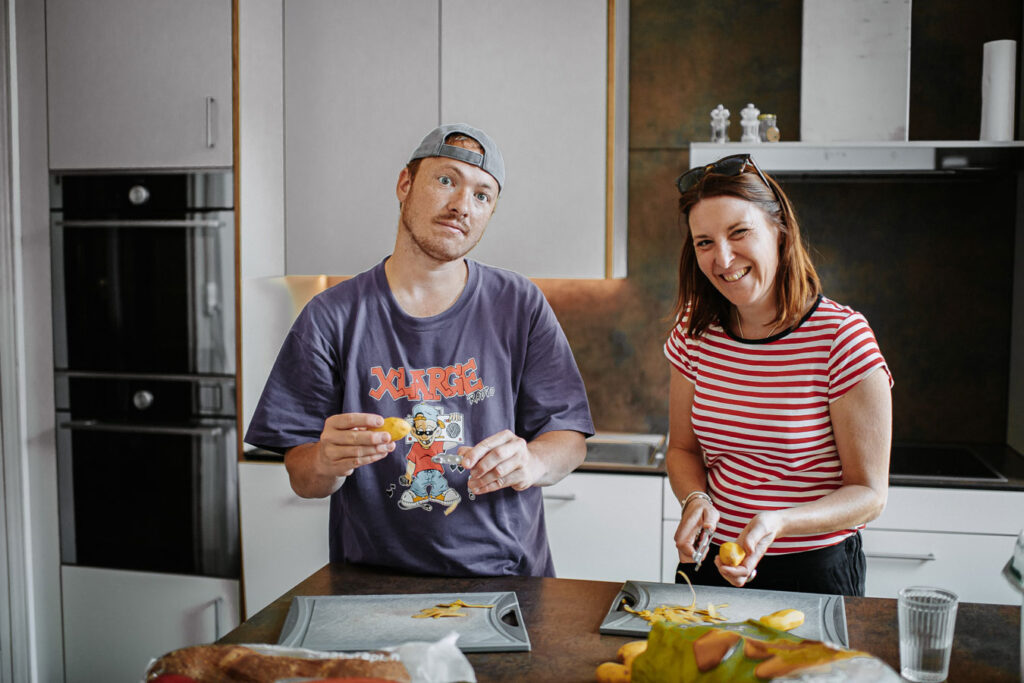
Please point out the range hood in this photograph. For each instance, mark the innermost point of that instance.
(944, 156)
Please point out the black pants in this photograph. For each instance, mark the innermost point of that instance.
(839, 569)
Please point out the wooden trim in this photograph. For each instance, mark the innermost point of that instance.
(609, 156)
(236, 167)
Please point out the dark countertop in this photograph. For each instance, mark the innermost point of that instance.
(563, 617)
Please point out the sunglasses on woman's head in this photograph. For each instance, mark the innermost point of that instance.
(728, 166)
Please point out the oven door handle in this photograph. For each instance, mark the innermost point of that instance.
(95, 426)
(196, 223)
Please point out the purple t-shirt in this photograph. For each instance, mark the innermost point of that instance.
(496, 359)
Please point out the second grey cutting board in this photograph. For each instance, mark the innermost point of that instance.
(347, 623)
(824, 615)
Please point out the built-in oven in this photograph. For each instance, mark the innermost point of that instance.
(144, 272)
(144, 355)
(147, 473)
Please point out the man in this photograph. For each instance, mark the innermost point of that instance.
(471, 355)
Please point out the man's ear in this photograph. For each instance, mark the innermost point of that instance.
(404, 184)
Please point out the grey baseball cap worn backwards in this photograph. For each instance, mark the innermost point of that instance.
(490, 161)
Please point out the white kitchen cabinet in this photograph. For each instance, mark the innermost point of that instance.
(139, 83)
(116, 621)
(952, 538)
(604, 526)
(284, 537)
(363, 82)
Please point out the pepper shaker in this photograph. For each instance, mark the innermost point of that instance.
(748, 119)
(720, 124)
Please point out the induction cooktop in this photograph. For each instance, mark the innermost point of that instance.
(928, 462)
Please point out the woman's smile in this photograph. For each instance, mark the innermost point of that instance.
(735, 275)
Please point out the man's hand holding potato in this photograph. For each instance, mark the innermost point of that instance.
(348, 441)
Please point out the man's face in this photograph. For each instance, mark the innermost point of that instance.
(445, 209)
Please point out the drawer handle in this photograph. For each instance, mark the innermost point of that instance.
(210, 141)
(930, 557)
(559, 496)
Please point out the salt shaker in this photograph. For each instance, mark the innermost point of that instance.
(748, 120)
(719, 124)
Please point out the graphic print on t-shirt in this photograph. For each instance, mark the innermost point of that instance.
(424, 467)
(434, 429)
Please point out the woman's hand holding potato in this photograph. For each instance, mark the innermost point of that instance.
(753, 541)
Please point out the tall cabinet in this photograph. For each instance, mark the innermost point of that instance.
(139, 84)
(364, 82)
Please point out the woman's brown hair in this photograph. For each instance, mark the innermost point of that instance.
(796, 281)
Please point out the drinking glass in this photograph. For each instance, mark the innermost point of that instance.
(926, 617)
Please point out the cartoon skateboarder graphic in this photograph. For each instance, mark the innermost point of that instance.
(424, 469)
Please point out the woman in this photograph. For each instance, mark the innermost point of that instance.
(781, 413)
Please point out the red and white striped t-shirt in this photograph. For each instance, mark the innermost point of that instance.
(761, 413)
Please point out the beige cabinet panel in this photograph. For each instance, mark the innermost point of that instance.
(533, 74)
(360, 92)
(139, 83)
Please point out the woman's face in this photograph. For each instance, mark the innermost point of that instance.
(737, 249)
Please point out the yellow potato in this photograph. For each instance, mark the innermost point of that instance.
(612, 672)
(395, 426)
(784, 619)
(731, 554)
(628, 652)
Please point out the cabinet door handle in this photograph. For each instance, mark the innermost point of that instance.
(141, 223)
(218, 603)
(95, 426)
(930, 557)
(559, 496)
(211, 104)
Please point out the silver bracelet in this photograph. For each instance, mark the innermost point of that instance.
(696, 494)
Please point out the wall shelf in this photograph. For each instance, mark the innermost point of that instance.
(854, 157)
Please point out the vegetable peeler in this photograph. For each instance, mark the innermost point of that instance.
(702, 547)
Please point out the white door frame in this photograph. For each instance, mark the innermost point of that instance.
(15, 648)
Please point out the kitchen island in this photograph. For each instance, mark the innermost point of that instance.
(562, 617)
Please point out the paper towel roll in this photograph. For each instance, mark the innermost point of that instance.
(998, 78)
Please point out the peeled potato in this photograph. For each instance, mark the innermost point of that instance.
(395, 426)
(612, 672)
(784, 619)
(731, 554)
(628, 652)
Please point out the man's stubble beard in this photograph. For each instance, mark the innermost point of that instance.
(435, 248)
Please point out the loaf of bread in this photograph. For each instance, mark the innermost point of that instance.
(240, 664)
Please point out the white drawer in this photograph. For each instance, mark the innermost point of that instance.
(961, 510)
(970, 565)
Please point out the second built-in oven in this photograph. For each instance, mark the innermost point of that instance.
(144, 365)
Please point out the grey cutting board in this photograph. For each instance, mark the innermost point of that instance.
(824, 615)
(345, 623)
